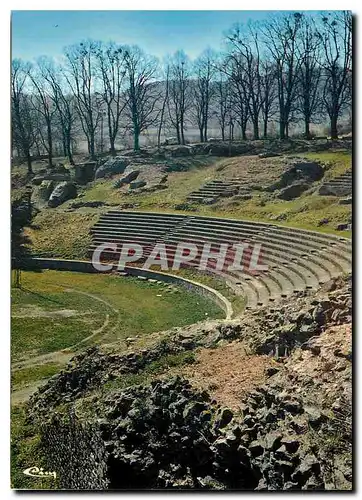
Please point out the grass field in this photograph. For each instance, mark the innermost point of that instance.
(55, 311)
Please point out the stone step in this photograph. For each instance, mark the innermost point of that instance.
(237, 233)
(216, 191)
(318, 238)
(233, 237)
(273, 250)
(295, 272)
(296, 259)
(141, 218)
(127, 230)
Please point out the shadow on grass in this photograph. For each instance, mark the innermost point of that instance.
(41, 296)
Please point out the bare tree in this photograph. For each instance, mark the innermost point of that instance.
(23, 132)
(239, 96)
(143, 92)
(309, 76)
(268, 89)
(64, 102)
(112, 72)
(222, 98)
(163, 108)
(281, 38)
(204, 90)
(81, 77)
(245, 44)
(336, 38)
(179, 93)
(42, 97)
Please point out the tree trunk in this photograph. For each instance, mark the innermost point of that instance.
(92, 147)
(334, 131)
(287, 130)
(163, 111)
(231, 136)
(69, 149)
(178, 133)
(282, 129)
(112, 149)
(256, 130)
(28, 160)
(70, 156)
(307, 129)
(136, 137)
(223, 132)
(50, 145)
(265, 132)
(17, 278)
(201, 135)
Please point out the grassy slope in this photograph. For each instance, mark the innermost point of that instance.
(62, 234)
(65, 234)
(180, 185)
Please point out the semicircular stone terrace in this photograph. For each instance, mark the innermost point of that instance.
(296, 259)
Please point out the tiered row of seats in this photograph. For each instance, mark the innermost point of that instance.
(338, 186)
(297, 259)
(216, 189)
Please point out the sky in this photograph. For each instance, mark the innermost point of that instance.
(160, 33)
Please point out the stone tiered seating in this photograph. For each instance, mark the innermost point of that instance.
(216, 189)
(339, 186)
(133, 227)
(297, 259)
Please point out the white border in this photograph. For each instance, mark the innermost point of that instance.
(5, 184)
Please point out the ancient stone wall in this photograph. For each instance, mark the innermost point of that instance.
(77, 454)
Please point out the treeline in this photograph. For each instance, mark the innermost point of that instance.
(292, 68)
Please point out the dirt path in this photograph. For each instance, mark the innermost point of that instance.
(60, 357)
(22, 395)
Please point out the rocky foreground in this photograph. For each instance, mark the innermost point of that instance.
(292, 432)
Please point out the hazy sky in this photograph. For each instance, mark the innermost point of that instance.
(34, 33)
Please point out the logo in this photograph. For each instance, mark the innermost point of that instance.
(39, 472)
(240, 256)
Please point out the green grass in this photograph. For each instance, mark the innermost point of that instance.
(24, 376)
(61, 234)
(26, 452)
(238, 302)
(135, 308)
(340, 161)
(180, 184)
(304, 212)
